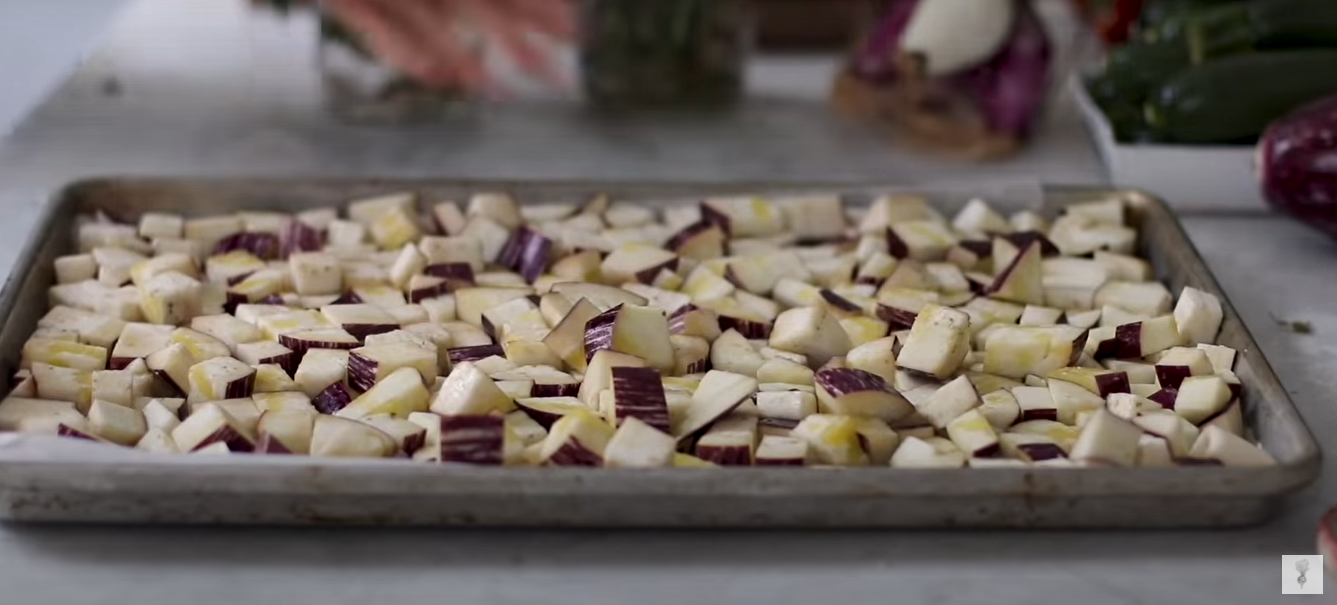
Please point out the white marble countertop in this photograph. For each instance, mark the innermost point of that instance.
(206, 90)
(41, 41)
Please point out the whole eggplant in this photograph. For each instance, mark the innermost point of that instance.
(1297, 164)
(1011, 89)
(983, 111)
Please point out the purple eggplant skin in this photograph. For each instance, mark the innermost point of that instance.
(526, 252)
(875, 63)
(263, 245)
(334, 398)
(1008, 91)
(299, 237)
(463, 354)
(1297, 164)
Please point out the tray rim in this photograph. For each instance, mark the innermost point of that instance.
(314, 478)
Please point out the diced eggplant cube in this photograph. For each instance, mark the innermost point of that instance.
(220, 378)
(577, 439)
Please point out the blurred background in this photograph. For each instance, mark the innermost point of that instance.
(41, 41)
(262, 87)
(1137, 93)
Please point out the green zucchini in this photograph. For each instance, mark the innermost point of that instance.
(1233, 99)
(1156, 14)
(1126, 119)
(1150, 63)
(1132, 72)
(1261, 24)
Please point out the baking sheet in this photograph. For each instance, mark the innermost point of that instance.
(45, 478)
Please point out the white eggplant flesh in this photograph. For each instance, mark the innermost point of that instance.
(955, 35)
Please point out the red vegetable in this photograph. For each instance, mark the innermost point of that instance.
(1297, 164)
(1115, 21)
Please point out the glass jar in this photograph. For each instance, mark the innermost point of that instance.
(664, 53)
(360, 88)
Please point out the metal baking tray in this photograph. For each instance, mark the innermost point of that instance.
(63, 480)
